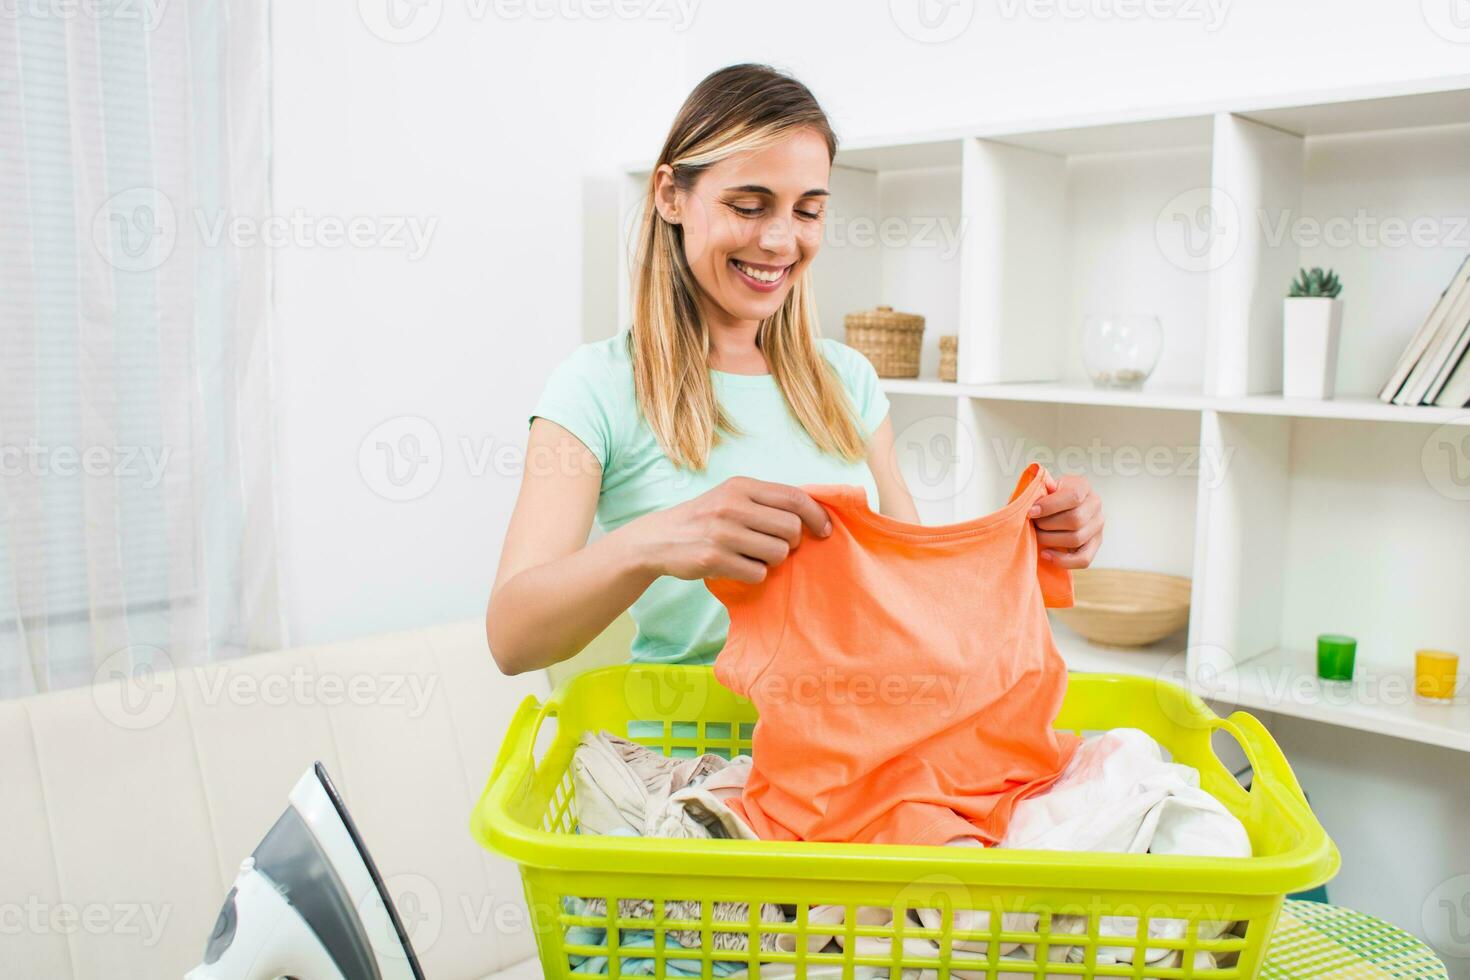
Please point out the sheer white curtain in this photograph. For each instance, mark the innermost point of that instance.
(137, 519)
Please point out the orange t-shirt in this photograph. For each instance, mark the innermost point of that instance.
(905, 675)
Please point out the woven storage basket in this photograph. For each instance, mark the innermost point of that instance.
(1123, 608)
(949, 357)
(890, 340)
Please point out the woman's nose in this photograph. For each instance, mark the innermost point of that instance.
(776, 235)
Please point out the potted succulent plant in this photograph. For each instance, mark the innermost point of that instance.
(1311, 322)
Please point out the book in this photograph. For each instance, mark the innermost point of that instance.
(1416, 347)
(1456, 390)
(1451, 320)
(1456, 354)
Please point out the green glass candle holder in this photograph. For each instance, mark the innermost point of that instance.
(1335, 656)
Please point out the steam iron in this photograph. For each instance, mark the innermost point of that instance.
(309, 903)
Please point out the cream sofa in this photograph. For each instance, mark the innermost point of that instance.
(124, 821)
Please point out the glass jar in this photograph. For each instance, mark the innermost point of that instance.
(1120, 350)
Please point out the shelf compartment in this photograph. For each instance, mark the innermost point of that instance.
(893, 237)
(1316, 527)
(1053, 237)
(1385, 208)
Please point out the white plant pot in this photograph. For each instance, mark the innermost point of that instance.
(1309, 334)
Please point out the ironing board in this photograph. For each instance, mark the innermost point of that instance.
(1314, 939)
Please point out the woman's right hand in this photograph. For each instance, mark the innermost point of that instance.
(737, 530)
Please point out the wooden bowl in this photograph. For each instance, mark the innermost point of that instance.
(1122, 608)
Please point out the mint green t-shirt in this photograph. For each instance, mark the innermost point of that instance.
(591, 395)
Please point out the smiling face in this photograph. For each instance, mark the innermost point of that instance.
(751, 224)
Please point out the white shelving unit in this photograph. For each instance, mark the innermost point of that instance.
(1292, 517)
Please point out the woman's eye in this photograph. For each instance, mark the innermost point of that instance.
(751, 212)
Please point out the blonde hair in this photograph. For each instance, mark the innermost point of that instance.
(736, 109)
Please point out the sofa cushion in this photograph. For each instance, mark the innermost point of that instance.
(129, 825)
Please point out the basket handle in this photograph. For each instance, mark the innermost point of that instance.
(516, 733)
(551, 707)
(520, 735)
(1261, 750)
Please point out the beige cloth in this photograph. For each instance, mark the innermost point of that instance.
(623, 787)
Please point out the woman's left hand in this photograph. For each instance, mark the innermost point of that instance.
(1069, 522)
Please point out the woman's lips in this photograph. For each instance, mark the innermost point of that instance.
(760, 285)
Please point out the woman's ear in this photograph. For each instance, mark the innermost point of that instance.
(666, 194)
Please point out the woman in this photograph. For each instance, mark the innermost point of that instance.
(689, 433)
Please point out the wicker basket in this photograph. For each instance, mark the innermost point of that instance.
(1122, 608)
(890, 340)
(949, 357)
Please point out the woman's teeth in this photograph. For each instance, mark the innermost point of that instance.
(763, 275)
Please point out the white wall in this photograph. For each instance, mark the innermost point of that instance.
(511, 133)
(1019, 59)
(508, 134)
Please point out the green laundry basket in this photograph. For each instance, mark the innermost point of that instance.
(528, 813)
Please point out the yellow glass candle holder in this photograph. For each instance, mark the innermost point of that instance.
(1435, 674)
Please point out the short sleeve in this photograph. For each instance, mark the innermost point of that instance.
(861, 380)
(579, 396)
